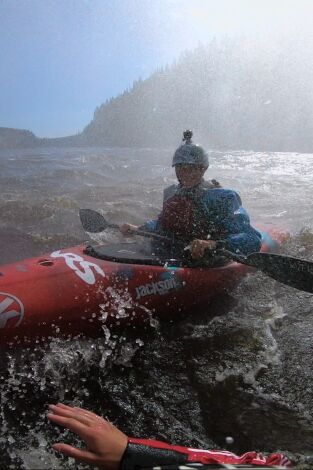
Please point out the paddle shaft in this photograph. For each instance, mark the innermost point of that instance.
(142, 233)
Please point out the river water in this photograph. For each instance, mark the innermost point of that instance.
(241, 369)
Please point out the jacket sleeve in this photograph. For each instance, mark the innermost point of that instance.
(149, 453)
(233, 220)
(149, 226)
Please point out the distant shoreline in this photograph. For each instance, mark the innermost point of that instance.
(11, 139)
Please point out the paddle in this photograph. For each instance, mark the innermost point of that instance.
(94, 222)
(294, 272)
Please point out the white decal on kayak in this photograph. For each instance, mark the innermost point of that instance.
(159, 288)
(10, 307)
(84, 269)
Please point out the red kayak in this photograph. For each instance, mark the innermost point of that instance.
(73, 291)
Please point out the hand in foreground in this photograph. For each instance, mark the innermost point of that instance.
(127, 229)
(198, 247)
(105, 443)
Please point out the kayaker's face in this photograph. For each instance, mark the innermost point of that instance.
(189, 175)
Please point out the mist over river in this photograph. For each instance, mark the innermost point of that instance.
(242, 369)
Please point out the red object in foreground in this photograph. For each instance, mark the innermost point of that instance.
(209, 456)
(69, 292)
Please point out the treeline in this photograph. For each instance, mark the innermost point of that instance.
(236, 94)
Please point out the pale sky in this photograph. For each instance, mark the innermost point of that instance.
(59, 59)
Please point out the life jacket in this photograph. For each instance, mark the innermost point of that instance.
(185, 215)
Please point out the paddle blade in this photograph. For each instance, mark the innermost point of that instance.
(92, 221)
(294, 272)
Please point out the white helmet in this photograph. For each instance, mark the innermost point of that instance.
(189, 153)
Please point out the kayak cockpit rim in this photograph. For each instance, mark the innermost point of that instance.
(135, 253)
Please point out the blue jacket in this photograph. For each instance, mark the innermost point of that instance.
(217, 214)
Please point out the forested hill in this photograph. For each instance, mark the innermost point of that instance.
(234, 94)
(21, 138)
(10, 138)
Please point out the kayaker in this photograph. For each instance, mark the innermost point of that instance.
(201, 213)
(109, 448)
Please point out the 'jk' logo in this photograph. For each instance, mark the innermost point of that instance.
(10, 307)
